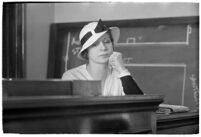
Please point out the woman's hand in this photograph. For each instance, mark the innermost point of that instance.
(116, 62)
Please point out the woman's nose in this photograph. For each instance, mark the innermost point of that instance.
(102, 46)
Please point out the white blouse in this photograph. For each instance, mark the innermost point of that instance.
(112, 87)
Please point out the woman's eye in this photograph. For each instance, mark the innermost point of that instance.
(94, 45)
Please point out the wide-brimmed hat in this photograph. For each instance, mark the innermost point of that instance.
(91, 32)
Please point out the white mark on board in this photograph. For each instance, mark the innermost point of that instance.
(67, 51)
(189, 30)
(127, 60)
(161, 27)
(76, 50)
(195, 90)
(184, 84)
(131, 41)
(140, 37)
(75, 42)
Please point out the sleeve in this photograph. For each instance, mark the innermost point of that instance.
(67, 76)
(130, 86)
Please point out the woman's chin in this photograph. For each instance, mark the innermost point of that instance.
(103, 60)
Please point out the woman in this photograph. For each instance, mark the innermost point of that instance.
(103, 63)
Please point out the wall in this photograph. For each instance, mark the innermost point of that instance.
(72, 12)
(38, 20)
(40, 16)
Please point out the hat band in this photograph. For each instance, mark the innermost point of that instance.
(86, 37)
(99, 28)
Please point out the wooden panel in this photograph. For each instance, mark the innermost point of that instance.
(50, 87)
(178, 123)
(99, 123)
(13, 41)
(67, 114)
(86, 88)
(36, 87)
(189, 129)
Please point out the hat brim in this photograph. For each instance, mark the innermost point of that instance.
(115, 31)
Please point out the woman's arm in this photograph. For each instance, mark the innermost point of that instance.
(130, 86)
(128, 83)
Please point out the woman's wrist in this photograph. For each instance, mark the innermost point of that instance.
(123, 72)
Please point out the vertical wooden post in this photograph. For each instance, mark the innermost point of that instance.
(13, 40)
(153, 123)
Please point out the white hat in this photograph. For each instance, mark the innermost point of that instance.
(91, 32)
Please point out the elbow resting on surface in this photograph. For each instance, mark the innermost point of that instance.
(130, 86)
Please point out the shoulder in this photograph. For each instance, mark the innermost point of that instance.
(72, 74)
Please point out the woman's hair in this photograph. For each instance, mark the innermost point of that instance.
(85, 52)
(110, 35)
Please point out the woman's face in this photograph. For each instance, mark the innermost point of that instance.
(101, 50)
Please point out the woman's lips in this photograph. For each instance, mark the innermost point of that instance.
(104, 55)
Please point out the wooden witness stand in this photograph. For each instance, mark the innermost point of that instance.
(75, 114)
(178, 123)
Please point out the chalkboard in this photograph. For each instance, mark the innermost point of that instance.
(161, 53)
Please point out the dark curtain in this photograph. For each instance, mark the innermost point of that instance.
(13, 40)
